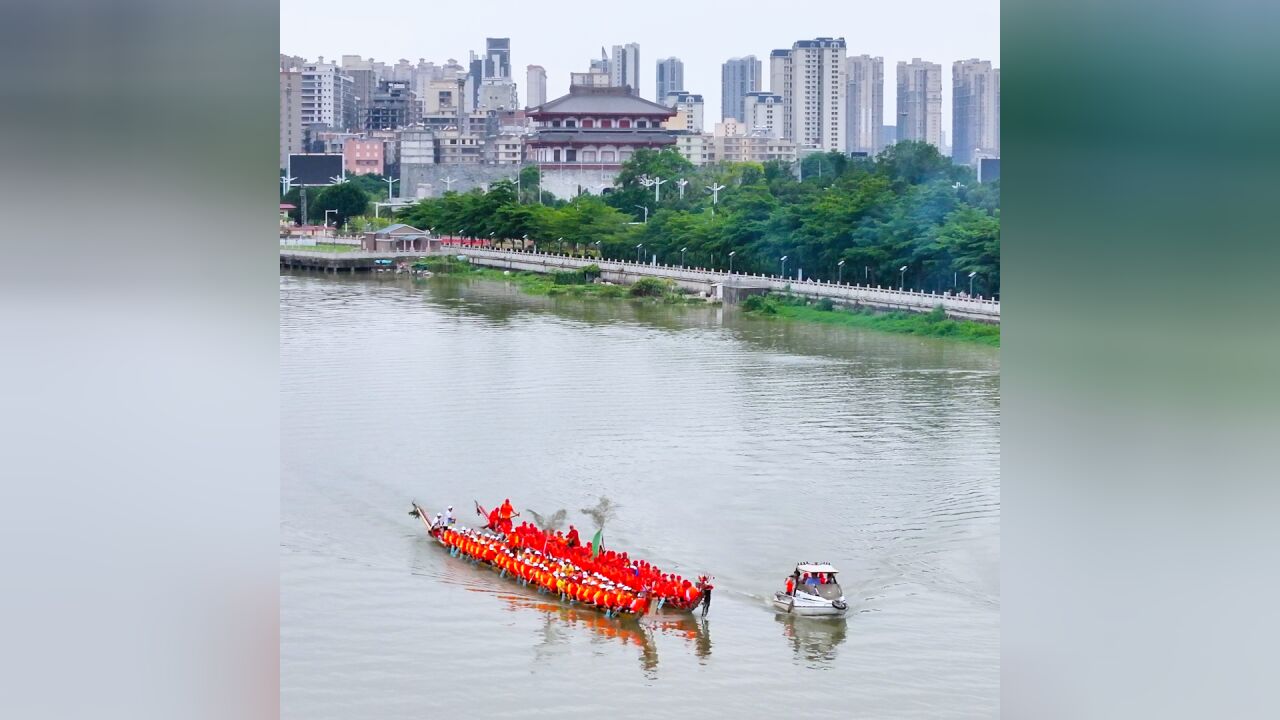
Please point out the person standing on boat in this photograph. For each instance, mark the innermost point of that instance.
(506, 513)
(449, 519)
(705, 587)
(574, 540)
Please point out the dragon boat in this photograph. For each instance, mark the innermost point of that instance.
(555, 570)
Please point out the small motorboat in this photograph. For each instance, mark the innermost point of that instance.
(812, 590)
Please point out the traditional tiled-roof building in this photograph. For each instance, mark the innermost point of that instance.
(596, 127)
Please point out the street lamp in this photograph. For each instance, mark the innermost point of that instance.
(784, 266)
(902, 277)
(525, 245)
(390, 182)
(638, 246)
(491, 240)
(682, 256)
(599, 250)
(714, 189)
(839, 271)
(731, 254)
(560, 244)
(646, 213)
(975, 272)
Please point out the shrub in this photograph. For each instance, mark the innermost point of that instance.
(826, 304)
(761, 304)
(612, 291)
(441, 265)
(936, 315)
(591, 272)
(568, 277)
(650, 287)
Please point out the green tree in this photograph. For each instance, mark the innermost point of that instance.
(347, 199)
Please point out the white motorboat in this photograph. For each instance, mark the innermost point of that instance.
(812, 590)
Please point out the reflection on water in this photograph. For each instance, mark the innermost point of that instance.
(625, 631)
(813, 640)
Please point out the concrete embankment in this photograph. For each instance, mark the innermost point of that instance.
(732, 287)
(714, 283)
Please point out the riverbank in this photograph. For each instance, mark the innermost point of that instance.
(582, 283)
(932, 324)
(577, 283)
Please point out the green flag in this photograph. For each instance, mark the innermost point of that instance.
(595, 543)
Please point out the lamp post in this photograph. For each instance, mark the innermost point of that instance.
(560, 244)
(731, 254)
(638, 246)
(715, 195)
(680, 184)
(285, 184)
(682, 256)
(784, 266)
(390, 182)
(599, 250)
(902, 278)
(839, 272)
(525, 245)
(975, 272)
(646, 213)
(491, 240)
(657, 188)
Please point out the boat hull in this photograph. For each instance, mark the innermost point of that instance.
(809, 607)
(665, 608)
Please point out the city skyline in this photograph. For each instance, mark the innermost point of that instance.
(956, 33)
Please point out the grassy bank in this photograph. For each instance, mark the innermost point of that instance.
(931, 324)
(322, 247)
(575, 283)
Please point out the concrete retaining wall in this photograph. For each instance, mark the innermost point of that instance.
(706, 281)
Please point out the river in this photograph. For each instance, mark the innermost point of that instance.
(732, 446)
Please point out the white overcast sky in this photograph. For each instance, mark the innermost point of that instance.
(563, 36)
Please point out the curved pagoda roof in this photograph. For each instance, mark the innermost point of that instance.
(584, 100)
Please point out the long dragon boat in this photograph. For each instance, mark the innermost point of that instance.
(532, 556)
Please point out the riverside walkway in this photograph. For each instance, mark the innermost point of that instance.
(351, 260)
(705, 280)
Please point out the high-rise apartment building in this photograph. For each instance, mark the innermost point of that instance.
(670, 77)
(394, 105)
(920, 102)
(497, 94)
(535, 86)
(688, 110)
(290, 114)
(364, 75)
(780, 85)
(624, 67)
(865, 113)
(817, 103)
(975, 111)
(497, 58)
(600, 64)
(738, 77)
(328, 96)
(764, 114)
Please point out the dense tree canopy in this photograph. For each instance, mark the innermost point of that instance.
(909, 206)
